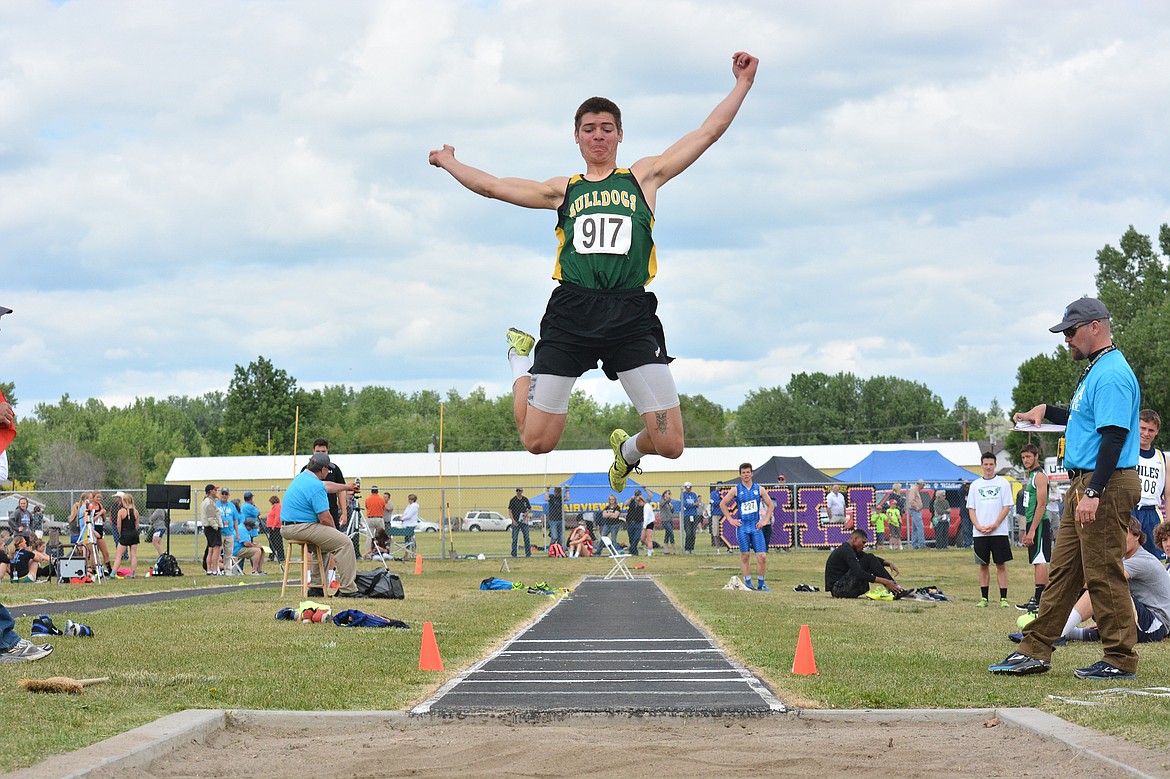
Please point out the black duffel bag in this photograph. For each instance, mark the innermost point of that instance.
(379, 583)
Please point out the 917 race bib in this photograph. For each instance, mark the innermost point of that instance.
(602, 234)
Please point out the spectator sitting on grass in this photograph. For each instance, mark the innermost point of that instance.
(849, 569)
(1162, 538)
(380, 546)
(26, 560)
(581, 541)
(1149, 589)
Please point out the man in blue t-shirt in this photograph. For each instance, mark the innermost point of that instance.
(229, 517)
(1101, 455)
(748, 496)
(304, 516)
(246, 547)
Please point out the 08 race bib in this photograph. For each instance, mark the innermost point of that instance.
(602, 234)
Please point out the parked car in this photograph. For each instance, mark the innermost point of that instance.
(186, 528)
(423, 525)
(485, 520)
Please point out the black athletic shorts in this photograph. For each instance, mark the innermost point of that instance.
(1150, 628)
(618, 327)
(988, 549)
(1040, 550)
(213, 535)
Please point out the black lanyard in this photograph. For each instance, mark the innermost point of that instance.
(1092, 362)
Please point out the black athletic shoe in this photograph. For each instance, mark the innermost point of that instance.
(316, 592)
(1019, 664)
(1032, 605)
(1101, 670)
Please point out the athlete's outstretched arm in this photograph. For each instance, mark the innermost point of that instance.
(519, 192)
(653, 172)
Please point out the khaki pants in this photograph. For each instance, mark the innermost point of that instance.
(1091, 556)
(329, 540)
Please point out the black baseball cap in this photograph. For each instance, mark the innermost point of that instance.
(1081, 310)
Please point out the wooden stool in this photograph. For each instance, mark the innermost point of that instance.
(304, 561)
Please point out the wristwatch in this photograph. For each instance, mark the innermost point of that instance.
(1091, 493)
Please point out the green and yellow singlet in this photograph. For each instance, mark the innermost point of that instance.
(605, 234)
(1030, 496)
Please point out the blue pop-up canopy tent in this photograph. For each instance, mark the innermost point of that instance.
(591, 491)
(907, 466)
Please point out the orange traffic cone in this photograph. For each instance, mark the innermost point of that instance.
(428, 656)
(804, 663)
(418, 565)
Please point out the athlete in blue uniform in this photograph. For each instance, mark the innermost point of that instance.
(748, 497)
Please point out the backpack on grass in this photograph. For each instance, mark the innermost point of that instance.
(166, 565)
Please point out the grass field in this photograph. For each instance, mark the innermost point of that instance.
(228, 651)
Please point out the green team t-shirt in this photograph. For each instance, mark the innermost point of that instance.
(605, 234)
(894, 516)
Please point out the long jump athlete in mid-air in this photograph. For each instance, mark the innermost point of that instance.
(601, 310)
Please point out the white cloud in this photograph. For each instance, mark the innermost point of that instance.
(911, 188)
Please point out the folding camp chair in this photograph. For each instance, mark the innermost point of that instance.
(232, 566)
(401, 542)
(619, 560)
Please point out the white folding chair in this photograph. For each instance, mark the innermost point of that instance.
(619, 560)
(233, 566)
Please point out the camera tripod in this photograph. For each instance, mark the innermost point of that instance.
(357, 529)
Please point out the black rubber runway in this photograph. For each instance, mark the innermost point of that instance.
(114, 601)
(611, 646)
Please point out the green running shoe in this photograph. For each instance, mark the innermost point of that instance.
(519, 340)
(620, 468)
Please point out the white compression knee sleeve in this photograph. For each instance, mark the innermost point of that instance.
(650, 387)
(551, 393)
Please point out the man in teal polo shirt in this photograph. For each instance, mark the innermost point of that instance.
(304, 516)
(1101, 455)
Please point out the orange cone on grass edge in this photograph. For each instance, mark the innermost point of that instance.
(418, 565)
(804, 663)
(428, 656)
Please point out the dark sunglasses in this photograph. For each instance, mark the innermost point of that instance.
(1071, 331)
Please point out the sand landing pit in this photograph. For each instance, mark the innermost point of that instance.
(906, 744)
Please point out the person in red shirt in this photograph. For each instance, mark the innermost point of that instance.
(272, 526)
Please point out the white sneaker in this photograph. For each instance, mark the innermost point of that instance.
(25, 651)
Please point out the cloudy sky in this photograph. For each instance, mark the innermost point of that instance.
(911, 188)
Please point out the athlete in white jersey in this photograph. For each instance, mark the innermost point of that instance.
(1154, 506)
